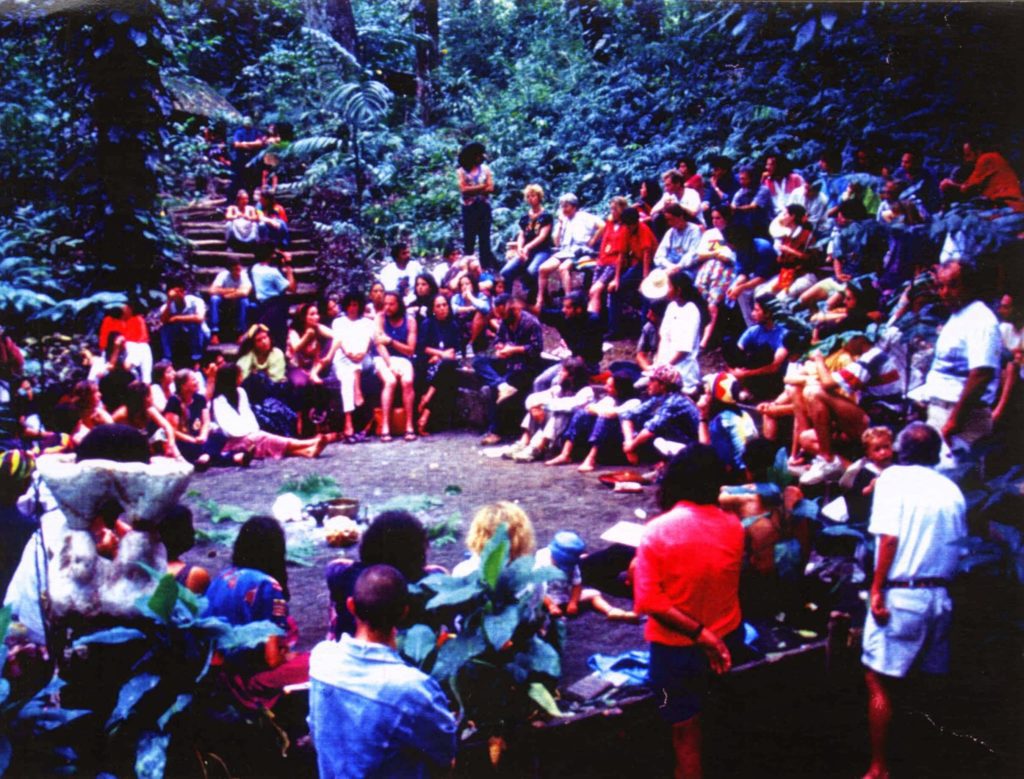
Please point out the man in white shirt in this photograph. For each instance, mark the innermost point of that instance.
(231, 287)
(960, 388)
(577, 233)
(918, 518)
(183, 333)
(400, 274)
(677, 250)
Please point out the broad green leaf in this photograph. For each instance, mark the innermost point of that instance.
(129, 697)
(500, 627)
(494, 557)
(461, 592)
(806, 34)
(162, 601)
(456, 653)
(248, 636)
(540, 695)
(544, 659)
(5, 622)
(418, 642)
(118, 635)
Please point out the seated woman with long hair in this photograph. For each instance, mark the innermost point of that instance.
(440, 341)
(88, 402)
(424, 289)
(264, 376)
(233, 414)
(254, 589)
(350, 355)
(140, 413)
(199, 442)
(308, 342)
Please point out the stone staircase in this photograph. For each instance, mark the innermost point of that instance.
(202, 226)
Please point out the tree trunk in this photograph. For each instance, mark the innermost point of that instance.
(337, 19)
(426, 23)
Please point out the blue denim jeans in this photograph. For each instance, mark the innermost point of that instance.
(242, 306)
(476, 225)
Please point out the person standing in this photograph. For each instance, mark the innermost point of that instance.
(686, 579)
(918, 519)
(476, 184)
(370, 714)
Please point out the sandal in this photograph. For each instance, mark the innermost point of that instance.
(385, 438)
(410, 436)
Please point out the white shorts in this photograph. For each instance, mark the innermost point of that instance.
(400, 366)
(916, 637)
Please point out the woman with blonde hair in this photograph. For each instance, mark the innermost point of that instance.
(486, 521)
(533, 244)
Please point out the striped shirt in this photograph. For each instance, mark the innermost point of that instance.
(872, 375)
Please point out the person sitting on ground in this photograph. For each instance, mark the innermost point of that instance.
(271, 285)
(395, 335)
(758, 359)
(563, 597)
(677, 251)
(648, 195)
(374, 300)
(264, 375)
(440, 343)
(848, 254)
(140, 413)
(724, 426)
(234, 415)
(255, 589)
(533, 244)
(395, 538)
(919, 182)
(521, 539)
(448, 273)
(858, 483)
(548, 411)
(163, 387)
(183, 333)
(721, 185)
(792, 236)
(580, 331)
(178, 536)
(370, 714)
(241, 224)
(637, 248)
(991, 178)
(649, 341)
(667, 413)
(230, 289)
(717, 268)
(308, 343)
(576, 236)
(188, 414)
(674, 190)
(833, 406)
(597, 428)
(752, 204)
(88, 401)
(680, 331)
(128, 320)
(273, 221)
(113, 372)
(516, 359)
(783, 184)
(854, 309)
(756, 262)
(471, 308)
(397, 275)
(424, 290)
(606, 265)
(350, 355)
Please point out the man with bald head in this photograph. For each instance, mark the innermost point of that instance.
(370, 714)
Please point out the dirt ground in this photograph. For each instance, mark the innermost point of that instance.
(452, 470)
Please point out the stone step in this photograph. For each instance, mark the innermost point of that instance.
(228, 349)
(208, 273)
(300, 258)
(218, 244)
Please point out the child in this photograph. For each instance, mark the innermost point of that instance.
(564, 597)
(859, 480)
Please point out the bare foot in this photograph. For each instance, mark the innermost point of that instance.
(877, 772)
(585, 467)
(561, 459)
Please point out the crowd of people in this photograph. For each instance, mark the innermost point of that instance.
(776, 311)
